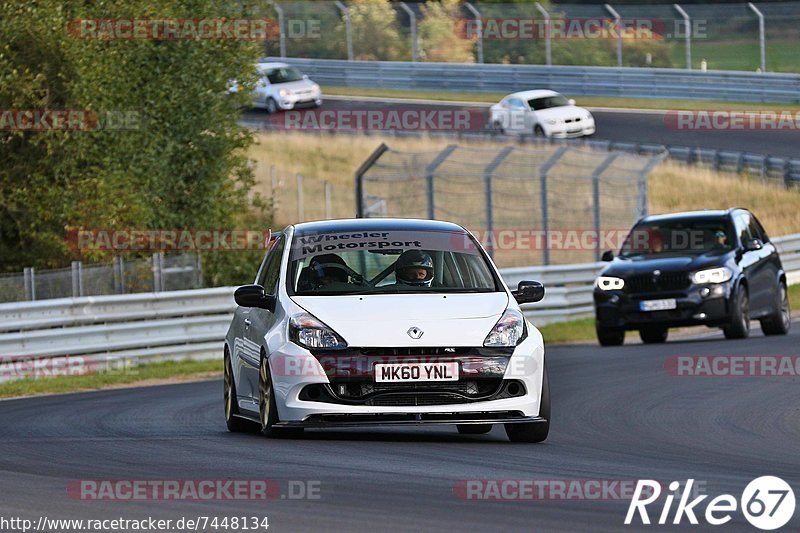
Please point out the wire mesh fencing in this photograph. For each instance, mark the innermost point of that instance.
(537, 205)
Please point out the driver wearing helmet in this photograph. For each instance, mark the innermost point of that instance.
(414, 267)
(327, 269)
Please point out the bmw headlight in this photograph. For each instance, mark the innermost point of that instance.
(552, 121)
(508, 331)
(309, 332)
(712, 275)
(609, 283)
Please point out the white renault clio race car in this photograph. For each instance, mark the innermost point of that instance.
(383, 322)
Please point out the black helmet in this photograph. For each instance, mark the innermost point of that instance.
(408, 264)
(329, 266)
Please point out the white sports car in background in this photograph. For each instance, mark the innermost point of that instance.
(542, 113)
(281, 86)
(384, 322)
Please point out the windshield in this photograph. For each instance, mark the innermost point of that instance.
(387, 262)
(547, 102)
(283, 75)
(679, 237)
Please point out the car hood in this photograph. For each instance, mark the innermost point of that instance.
(383, 320)
(294, 86)
(562, 112)
(644, 265)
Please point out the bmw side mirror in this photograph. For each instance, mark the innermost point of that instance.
(751, 245)
(254, 296)
(528, 292)
(607, 256)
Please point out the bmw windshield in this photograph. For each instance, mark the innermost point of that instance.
(388, 262)
(547, 102)
(678, 237)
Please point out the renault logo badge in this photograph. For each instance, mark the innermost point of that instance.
(414, 332)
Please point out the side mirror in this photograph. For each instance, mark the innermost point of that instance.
(607, 256)
(752, 245)
(305, 76)
(254, 296)
(571, 101)
(528, 292)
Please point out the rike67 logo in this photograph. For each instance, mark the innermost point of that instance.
(767, 503)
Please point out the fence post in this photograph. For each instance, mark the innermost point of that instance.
(29, 276)
(77, 279)
(602, 167)
(548, 50)
(412, 18)
(348, 28)
(158, 272)
(430, 172)
(365, 166)
(761, 37)
(301, 211)
(198, 265)
(119, 274)
(281, 29)
(479, 19)
(328, 200)
(688, 37)
(618, 22)
(550, 163)
(488, 173)
(643, 208)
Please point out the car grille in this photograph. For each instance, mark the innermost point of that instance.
(415, 399)
(667, 281)
(570, 120)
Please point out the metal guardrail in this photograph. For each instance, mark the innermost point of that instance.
(192, 323)
(626, 82)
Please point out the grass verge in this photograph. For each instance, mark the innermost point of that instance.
(587, 101)
(154, 373)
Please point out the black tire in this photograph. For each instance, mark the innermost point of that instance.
(267, 407)
(538, 131)
(535, 431)
(739, 328)
(609, 337)
(473, 429)
(271, 106)
(497, 127)
(779, 322)
(234, 423)
(654, 334)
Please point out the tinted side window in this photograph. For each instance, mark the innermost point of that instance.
(742, 221)
(756, 230)
(270, 272)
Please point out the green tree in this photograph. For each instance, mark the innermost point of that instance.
(438, 36)
(375, 32)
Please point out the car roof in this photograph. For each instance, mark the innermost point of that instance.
(710, 214)
(376, 224)
(266, 66)
(527, 95)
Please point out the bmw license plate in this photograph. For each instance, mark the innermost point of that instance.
(406, 372)
(658, 305)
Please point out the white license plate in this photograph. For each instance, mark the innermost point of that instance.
(405, 372)
(658, 305)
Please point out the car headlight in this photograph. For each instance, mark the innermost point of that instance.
(712, 275)
(508, 331)
(552, 121)
(315, 88)
(309, 332)
(285, 92)
(609, 283)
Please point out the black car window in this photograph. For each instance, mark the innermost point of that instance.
(270, 272)
(755, 229)
(547, 102)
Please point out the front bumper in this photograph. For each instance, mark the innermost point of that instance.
(303, 100)
(698, 305)
(571, 131)
(411, 419)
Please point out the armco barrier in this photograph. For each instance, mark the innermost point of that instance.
(678, 84)
(192, 323)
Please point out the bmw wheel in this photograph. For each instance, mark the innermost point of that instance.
(780, 321)
(739, 328)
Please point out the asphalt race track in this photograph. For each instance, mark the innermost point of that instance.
(626, 126)
(618, 415)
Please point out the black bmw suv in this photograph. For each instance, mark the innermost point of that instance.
(716, 268)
